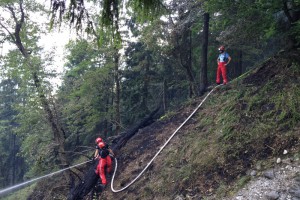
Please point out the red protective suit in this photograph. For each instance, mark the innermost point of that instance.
(103, 167)
(221, 71)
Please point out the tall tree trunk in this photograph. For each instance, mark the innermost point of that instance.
(183, 41)
(116, 40)
(112, 117)
(164, 101)
(188, 64)
(193, 90)
(293, 15)
(117, 93)
(203, 68)
(184, 49)
(14, 166)
(144, 105)
(107, 123)
(11, 165)
(239, 66)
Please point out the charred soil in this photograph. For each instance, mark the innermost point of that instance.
(247, 123)
(252, 120)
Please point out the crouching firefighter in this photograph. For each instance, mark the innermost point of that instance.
(103, 153)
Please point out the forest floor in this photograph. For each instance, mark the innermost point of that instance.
(266, 170)
(281, 181)
(242, 144)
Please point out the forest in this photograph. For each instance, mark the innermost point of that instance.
(125, 61)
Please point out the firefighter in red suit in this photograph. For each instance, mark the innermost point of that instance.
(103, 153)
(223, 60)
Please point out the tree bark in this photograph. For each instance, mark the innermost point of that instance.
(203, 68)
(117, 93)
(146, 78)
(239, 66)
(115, 11)
(165, 97)
(193, 90)
(183, 52)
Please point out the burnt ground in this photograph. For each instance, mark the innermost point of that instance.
(144, 145)
(189, 168)
(147, 141)
(246, 123)
(212, 159)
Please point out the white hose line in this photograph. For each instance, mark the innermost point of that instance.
(161, 148)
(36, 179)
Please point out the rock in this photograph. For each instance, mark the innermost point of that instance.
(195, 197)
(269, 174)
(272, 195)
(297, 180)
(253, 173)
(282, 180)
(179, 197)
(287, 161)
(258, 166)
(285, 152)
(278, 160)
(295, 192)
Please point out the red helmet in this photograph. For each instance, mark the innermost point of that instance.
(98, 140)
(101, 144)
(222, 48)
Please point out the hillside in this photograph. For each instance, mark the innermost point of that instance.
(245, 124)
(228, 150)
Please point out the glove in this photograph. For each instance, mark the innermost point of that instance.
(94, 158)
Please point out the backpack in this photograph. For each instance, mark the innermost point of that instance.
(103, 152)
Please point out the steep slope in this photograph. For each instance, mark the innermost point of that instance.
(251, 121)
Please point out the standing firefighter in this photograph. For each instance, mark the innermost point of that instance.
(223, 60)
(104, 166)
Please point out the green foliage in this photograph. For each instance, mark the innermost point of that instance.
(254, 29)
(86, 94)
(295, 32)
(28, 125)
(146, 9)
(37, 148)
(270, 31)
(86, 98)
(10, 171)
